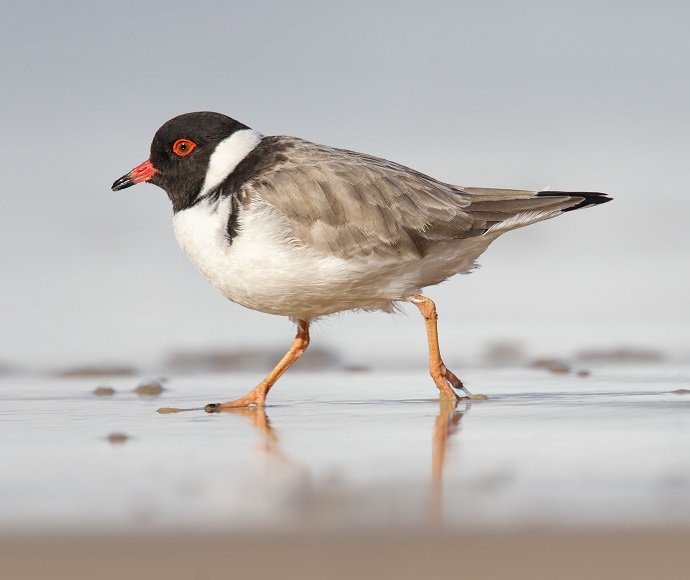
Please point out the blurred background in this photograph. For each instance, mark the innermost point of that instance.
(584, 96)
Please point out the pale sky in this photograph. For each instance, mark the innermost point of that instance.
(570, 95)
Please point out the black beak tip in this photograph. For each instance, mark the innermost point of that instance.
(124, 182)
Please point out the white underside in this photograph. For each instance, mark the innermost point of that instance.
(266, 270)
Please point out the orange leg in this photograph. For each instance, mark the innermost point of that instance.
(443, 378)
(257, 397)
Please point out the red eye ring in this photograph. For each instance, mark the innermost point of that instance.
(183, 147)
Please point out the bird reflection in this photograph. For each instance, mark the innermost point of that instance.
(446, 425)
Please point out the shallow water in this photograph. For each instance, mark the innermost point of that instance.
(339, 450)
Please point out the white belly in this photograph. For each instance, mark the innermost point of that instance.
(264, 269)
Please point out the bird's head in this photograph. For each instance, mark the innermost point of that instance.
(192, 154)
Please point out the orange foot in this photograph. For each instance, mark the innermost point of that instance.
(257, 398)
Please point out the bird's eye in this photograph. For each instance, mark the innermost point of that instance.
(183, 147)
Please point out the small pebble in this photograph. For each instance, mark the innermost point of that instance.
(552, 365)
(104, 392)
(149, 389)
(583, 373)
(681, 392)
(357, 369)
(117, 438)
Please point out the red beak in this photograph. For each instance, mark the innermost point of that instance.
(140, 173)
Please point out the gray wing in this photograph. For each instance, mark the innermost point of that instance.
(354, 205)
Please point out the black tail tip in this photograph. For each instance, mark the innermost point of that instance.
(588, 197)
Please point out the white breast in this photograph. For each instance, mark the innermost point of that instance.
(265, 269)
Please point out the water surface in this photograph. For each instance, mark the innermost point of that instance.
(340, 450)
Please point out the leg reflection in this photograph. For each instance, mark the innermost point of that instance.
(447, 424)
(269, 442)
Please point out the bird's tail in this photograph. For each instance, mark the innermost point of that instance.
(588, 198)
(501, 210)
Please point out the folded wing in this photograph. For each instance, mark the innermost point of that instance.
(356, 206)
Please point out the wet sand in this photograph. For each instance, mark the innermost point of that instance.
(348, 475)
(535, 555)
